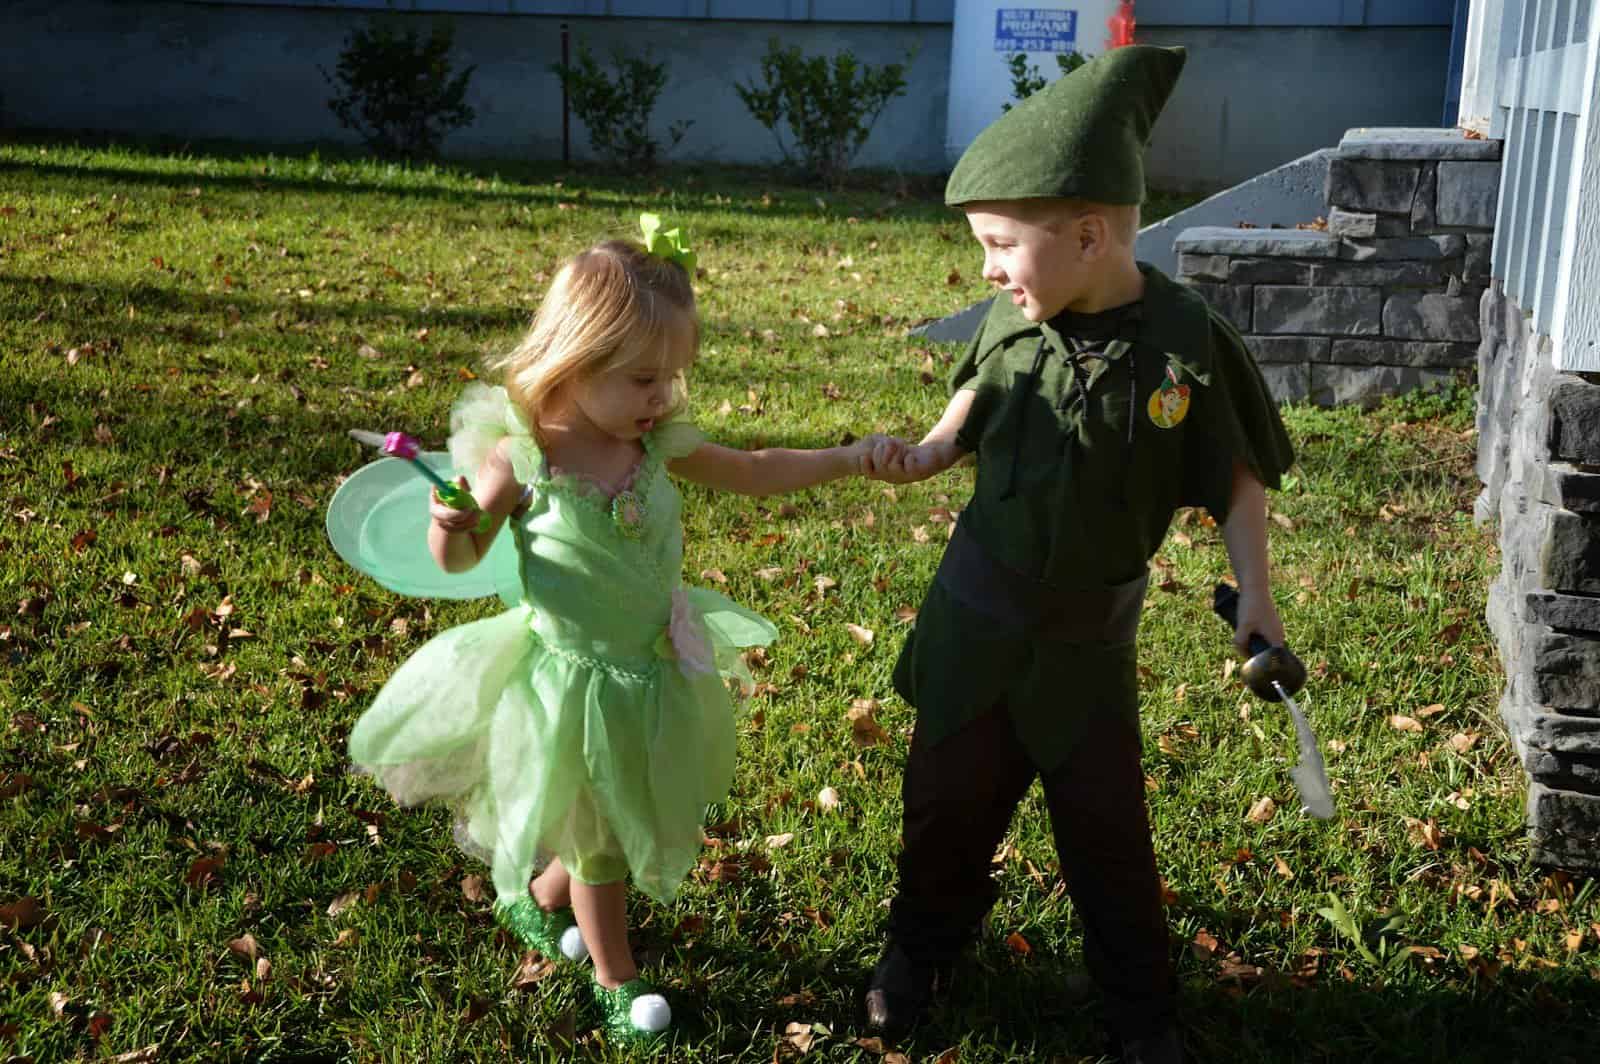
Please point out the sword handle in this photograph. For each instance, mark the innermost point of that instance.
(1225, 604)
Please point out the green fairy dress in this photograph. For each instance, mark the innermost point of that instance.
(590, 721)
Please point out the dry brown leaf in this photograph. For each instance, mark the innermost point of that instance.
(22, 913)
(824, 583)
(1205, 945)
(1401, 722)
(472, 888)
(343, 902)
(1425, 833)
(535, 967)
(1263, 811)
(1461, 742)
(1282, 868)
(245, 946)
(798, 1036)
(1018, 944)
(777, 842)
(346, 937)
(859, 634)
(146, 1055)
(716, 576)
(864, 728)
(827, 799)
(1428, 711)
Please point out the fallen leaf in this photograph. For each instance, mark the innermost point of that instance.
(533, 969)
(477, 1008)
(24, 912)
(1461, 742)
(1282, 868)
(1205, 945)
(776, 842)
(204, 872)
(799, 1036)
(864, 729)
(343, 902)
(346, 937)
(716, 576)
(859, 634)
(1263, 811)
(1425, 833)
(827, 799)
(472, 888)
(1400, 722)
(147, 1055)
(245, 946)
(1018, 944)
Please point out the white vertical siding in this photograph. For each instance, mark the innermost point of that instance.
(1530, 79)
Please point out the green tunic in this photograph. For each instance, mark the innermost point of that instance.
(1079, 473)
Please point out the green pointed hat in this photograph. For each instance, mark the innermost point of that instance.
(1082, 137)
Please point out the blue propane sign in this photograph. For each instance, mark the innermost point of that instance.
(1035, 29)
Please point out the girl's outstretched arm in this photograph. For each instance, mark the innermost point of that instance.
(452, 538)
(773, 470)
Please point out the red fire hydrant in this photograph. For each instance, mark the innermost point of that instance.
(1121, 25)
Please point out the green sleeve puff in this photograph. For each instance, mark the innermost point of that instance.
(1237, 418)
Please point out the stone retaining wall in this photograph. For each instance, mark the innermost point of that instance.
(1385, 298)
(1538, 456)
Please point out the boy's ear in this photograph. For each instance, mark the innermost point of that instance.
(1093, 234)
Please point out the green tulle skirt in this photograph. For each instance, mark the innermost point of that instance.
(545, 751)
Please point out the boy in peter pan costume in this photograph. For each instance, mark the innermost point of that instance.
(1098, 397)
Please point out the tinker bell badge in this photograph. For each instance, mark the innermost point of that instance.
(1169, 404)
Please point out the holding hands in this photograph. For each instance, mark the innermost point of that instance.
(893, 460)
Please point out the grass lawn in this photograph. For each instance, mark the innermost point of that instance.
(187, 865)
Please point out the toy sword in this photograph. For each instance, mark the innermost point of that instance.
(1275, 674)
(399, 445)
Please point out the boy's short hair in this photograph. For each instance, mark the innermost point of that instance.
(1122, 219)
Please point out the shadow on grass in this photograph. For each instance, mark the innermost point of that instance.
(1027, 1010)
(691, 191)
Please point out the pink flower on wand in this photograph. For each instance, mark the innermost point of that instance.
(399, 445)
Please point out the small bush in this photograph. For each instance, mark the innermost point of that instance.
(396, 89)
(1026, 78)
(615, 107)
(830, 107)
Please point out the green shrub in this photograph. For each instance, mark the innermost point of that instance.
(615, 107)
(396, 88)
(1026, 78)
(830, 107)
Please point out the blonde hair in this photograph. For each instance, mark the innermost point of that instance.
(609, 307)
(1057, 212)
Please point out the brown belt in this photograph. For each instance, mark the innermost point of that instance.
(1016, 600)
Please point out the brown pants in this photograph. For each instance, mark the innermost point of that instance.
(959, 796)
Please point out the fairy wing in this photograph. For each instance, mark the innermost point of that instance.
(378, 523)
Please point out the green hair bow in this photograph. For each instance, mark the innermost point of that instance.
(669, 244)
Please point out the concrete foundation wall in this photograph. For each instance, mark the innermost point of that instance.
(1251, 97)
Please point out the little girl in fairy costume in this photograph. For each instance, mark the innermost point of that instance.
(589, 725)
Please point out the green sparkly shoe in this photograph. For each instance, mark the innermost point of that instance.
(634, 1013)
(554, 934)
